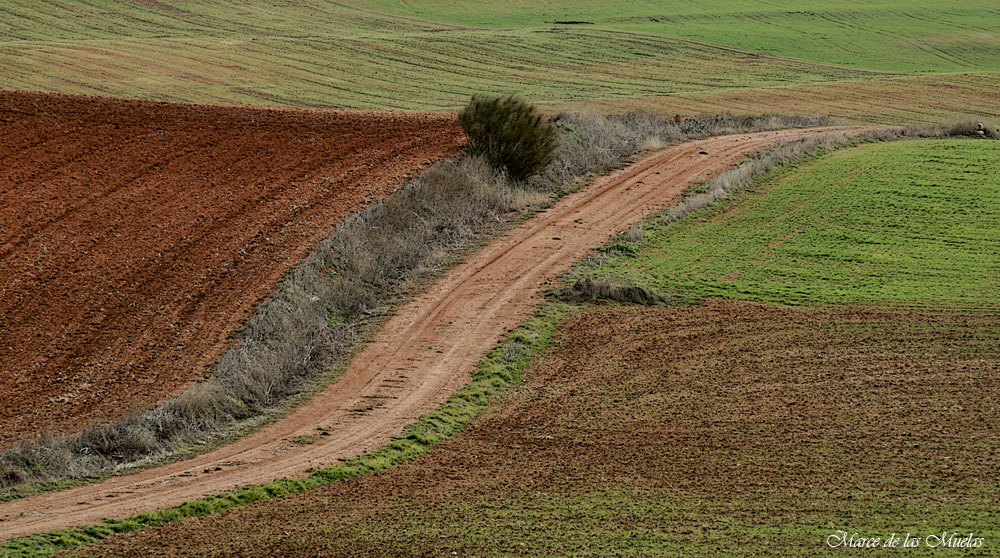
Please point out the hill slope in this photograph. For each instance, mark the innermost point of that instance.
(433, 55)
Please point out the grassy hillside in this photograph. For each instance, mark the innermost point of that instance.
(905, 224)
(432, 55)
(925, 98)
(428, 71)
(895, 35)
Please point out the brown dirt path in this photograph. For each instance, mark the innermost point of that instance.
(136, 236)
(420, 356)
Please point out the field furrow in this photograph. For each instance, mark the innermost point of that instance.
(136, 237)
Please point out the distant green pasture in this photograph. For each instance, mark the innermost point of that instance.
(896, 35)
(431, 55)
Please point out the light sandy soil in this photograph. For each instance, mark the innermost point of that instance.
(421, 355)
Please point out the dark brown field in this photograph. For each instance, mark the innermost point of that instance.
(730, 427)
(135, 236)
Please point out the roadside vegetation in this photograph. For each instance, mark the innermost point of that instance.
(305, 334)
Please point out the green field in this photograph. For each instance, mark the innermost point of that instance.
(666, 56)
(893, 35)
(905, 225)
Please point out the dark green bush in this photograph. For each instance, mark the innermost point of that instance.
(510, 134)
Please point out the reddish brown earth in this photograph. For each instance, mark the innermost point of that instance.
(728, 428)
(419, 356)
(136, 236)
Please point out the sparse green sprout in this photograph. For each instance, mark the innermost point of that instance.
(510, 134)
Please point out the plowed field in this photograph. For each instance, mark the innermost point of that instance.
(698, 431)
(136, 236)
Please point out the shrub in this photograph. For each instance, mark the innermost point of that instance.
(510, 134)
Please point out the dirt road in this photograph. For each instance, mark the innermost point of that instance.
(420, 356)
(135, 236)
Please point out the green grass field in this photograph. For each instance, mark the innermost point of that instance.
(905, 225)
(893, 35)
(665, 56)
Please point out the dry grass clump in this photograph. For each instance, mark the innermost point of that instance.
(592, 289)
(968, 127)
(331, 300)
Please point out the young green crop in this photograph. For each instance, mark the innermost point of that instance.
(894, 35)
(908, 225)
(433, 55)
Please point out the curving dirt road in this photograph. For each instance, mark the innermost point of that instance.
(420, 356)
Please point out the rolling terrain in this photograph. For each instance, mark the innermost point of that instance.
(892, 35)
(833, 369)
(725, 425)
(432, 55)
(419, 357)
(135, 237)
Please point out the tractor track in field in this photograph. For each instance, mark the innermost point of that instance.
(420, 355)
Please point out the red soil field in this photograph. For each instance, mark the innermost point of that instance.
(136, 236)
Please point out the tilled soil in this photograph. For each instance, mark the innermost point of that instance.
(135, 236)
(728, 427)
